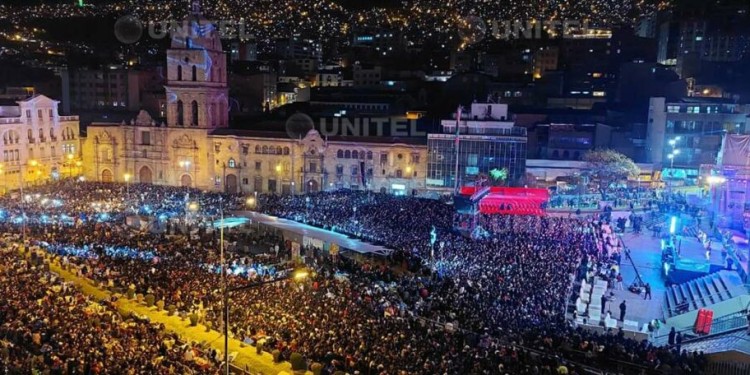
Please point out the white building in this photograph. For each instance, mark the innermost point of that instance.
(38, 144)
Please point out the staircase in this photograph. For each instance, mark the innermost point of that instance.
(728, 368)
(702, 292)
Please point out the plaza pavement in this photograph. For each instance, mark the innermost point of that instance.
(246, 355)
(645, 252)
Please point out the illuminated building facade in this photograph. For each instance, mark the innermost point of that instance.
(38, 144)
(196, 148)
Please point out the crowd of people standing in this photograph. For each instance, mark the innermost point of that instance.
(456, 306)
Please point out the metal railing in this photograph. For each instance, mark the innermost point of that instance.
(728, 368)
(574, 357)
(732, 251)
(720, 325)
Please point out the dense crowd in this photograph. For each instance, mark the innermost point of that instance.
(71, 202)
(461, 305)
(48, 326)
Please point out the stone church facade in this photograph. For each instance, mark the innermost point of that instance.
(196, 148)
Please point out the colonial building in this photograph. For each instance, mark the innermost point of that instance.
(196, 148)
(38, 144)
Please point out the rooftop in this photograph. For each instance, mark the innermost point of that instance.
(331, 138)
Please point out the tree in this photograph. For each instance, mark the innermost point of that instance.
(499, 175)
(607, 167)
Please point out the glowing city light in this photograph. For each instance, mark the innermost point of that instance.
(716, 179)
(672, 224)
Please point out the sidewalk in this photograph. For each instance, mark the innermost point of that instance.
(246, 356)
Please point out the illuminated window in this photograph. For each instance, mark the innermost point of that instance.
(232, 163)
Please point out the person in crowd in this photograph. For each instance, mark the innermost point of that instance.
(671, 337)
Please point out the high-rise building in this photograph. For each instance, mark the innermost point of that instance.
(483, 143)
(715, 33)
(690, 130)
(114, 88)
(244, 50)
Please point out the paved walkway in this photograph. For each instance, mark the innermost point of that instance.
(246, 356)
(645, 252)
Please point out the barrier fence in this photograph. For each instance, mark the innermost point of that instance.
(728, 368)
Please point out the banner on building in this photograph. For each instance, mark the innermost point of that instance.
(735, 150)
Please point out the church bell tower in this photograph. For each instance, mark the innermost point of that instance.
(197, 93)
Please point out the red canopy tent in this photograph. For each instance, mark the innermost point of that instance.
(514, 201)
(508, 200)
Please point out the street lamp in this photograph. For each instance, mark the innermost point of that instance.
(127, 177)
(250, 202)
(193, 206)
(33, 163)
(716, 180)
(70, 164)
(185, 164)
